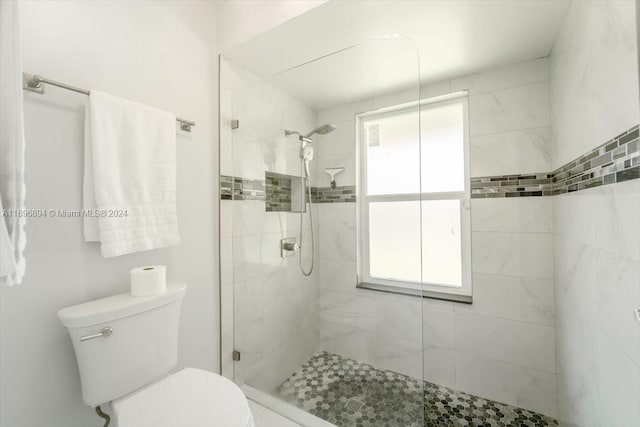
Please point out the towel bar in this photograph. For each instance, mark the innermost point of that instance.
(34, 84)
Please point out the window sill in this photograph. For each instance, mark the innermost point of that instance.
(444, 296)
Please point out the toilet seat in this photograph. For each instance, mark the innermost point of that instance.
(189, 398)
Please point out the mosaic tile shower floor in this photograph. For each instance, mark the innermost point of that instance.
(348, 393)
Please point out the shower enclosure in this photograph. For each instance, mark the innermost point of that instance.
(346, 245)
(497, 142)
(355, 182)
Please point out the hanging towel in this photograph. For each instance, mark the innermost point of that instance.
(129, 176)
(12, 187)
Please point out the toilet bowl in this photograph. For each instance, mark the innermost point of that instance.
(188, 398)
(126, 348)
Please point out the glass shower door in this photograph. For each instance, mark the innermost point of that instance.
(331, 343)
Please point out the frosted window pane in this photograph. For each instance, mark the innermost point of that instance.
(394, 241)
(442, 148)
(393, 154)
(441, 243)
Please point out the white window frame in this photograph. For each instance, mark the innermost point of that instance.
(429, 290)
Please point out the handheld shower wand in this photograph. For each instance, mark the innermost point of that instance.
(306, 155)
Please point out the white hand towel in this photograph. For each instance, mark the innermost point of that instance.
(13, 238)
(130, 166)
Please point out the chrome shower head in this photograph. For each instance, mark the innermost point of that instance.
(322, 130)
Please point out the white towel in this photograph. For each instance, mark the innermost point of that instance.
(13, 238)
(130, 166)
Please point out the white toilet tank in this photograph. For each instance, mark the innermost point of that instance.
(141, 347)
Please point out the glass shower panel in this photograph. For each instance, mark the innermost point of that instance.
(320, 342)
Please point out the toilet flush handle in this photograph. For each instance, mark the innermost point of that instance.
(104, 332)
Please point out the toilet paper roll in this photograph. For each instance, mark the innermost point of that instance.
(148, 280)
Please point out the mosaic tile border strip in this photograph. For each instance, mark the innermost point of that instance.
(236, 188)
(340, 194)
(275, 190)
(539, 184)
(349, 393)
(617, 160)
(278, 192)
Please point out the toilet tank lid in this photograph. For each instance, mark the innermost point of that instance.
(117, 307)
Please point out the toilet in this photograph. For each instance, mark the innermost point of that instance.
(126, 347)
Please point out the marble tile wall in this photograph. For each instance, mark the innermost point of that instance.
(268, 307)
(502, 346)
(614, 161)
(596, 232)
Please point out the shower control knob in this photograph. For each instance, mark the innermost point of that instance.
(291, 247)
(288, 247)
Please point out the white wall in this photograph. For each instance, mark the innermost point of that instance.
(594, 88)
(502, 346)
(239, 20)
(158, 53)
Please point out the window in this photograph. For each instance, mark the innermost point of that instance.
(414, 199)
